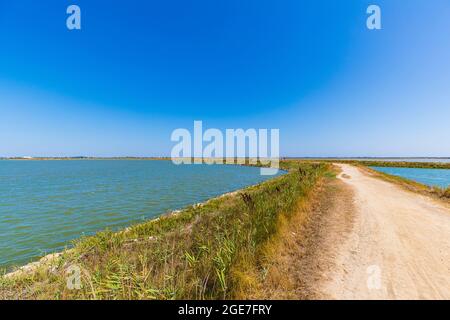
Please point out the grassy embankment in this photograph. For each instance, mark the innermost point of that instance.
(221, 249)
(399, 164)
(406, 183)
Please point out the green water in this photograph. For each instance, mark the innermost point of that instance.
(46, 204)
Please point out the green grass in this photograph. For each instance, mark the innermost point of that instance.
(212, 251)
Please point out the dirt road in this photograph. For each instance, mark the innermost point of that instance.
(397, 248)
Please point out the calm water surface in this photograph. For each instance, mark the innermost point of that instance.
(46, 204)
(430, 177)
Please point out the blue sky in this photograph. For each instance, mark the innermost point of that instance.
(140, 69)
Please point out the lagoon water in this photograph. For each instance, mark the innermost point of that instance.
(430, 177)
(46, 204)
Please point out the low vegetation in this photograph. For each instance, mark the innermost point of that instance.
(442, 193)
(397, 164)
(411, 185)
(217, 250)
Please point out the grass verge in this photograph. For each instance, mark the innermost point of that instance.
(436, 192)
(218, 250)
(395, 164)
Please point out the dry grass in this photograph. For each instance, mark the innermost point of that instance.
(300, 254)
(446, 193)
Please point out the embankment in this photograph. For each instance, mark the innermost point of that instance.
(220, 249)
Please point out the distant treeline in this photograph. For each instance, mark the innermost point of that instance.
(398, 164)
(365, 162)
(382, 163)
(85, 158)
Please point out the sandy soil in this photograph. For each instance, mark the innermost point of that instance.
(397, 248)
(308, 249)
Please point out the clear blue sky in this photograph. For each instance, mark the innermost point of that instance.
(139, 69)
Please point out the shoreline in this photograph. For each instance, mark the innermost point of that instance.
(36, 262)
(51, 257)
(438, 193)
(391, 161)
(82, 158)
(168, 255)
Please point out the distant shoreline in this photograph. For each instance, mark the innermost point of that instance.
(83, 158)
(168, 158)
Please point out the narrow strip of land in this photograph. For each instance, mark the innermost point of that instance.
(397, 248)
